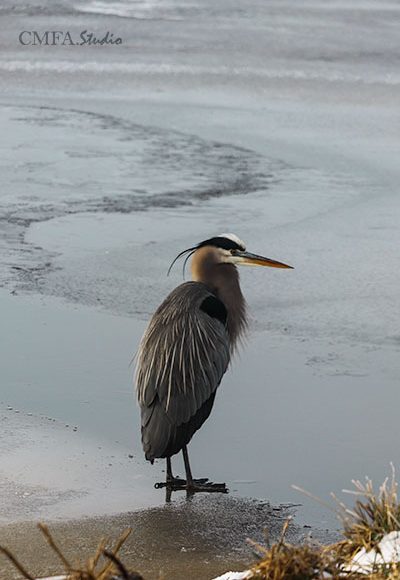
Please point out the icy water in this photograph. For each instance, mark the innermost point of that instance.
(276, 121)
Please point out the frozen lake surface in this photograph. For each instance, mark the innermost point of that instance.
(276, 121)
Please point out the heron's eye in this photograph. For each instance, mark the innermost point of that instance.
(233, 252)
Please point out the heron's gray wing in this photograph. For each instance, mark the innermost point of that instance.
(182, 358)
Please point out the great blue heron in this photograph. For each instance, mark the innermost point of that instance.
(186, 350)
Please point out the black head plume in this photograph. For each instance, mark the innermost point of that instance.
(189, 251)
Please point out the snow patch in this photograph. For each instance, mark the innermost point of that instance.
(386, 552)
(235, 575)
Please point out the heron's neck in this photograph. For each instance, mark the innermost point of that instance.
(223, 281)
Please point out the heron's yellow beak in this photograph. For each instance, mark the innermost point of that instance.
(248, 259)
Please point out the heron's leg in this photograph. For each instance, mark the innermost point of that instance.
(170, 477)
(171, 482)
(189, 476)
(197, 485)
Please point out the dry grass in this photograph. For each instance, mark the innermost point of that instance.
(374, 514)
(104, 565)
(284, 561)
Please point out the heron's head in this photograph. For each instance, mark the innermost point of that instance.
(227, 249)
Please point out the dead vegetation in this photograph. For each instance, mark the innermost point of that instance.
(375, 514)
(104, 565)
(287, 561)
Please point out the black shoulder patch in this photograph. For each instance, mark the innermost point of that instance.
(214, 308)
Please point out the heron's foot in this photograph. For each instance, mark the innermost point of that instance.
(171, 483)
(206, 487)
(176, 483)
